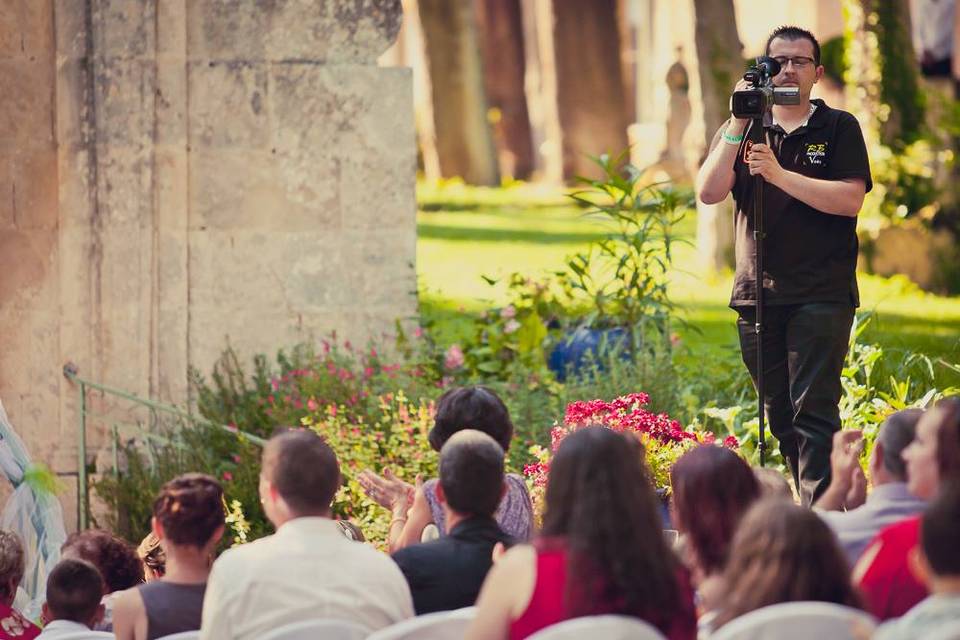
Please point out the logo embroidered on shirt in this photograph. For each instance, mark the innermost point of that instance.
(816, 152)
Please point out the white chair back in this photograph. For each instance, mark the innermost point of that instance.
(799, 621)
(87, 635)
(951, 631)
(183, 635)
(443, 625)
(314, 629)
(608, 627)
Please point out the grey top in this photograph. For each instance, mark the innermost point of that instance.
(932, 615)
(514, 515)
(171, 607)
(885, 505)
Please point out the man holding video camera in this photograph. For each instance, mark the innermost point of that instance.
(814, 163)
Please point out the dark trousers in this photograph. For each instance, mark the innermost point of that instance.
(804, 347)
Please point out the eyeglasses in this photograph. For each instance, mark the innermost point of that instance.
(799, 62)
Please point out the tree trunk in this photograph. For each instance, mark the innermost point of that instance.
(720, 58)
(463, 139)
(899, 71)
(720, 61)
(590, 92)
(504, 59)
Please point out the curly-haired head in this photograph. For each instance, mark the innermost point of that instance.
(12, 564)
(471, 408)
(190, 509)
(114, 558)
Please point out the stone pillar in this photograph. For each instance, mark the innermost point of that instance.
(179, 174)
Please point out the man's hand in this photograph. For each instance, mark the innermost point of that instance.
(761, 160)
(844, 470)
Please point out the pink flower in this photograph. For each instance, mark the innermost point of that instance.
(509, 312)
(730, 442)
(418, 332)
(312, 405)
(227, 476)
(453, 358)
(237, 459)
(511, 326)
(232, 427)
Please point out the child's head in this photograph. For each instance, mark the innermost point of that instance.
(939, 532)
(74, 589)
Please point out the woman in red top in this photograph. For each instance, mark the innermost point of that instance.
(602, 549)
(883, 571)
(13, 626)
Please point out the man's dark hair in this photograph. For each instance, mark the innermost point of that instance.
(471, 473)
(74, 589)
(789, 32)
(940, 530)
(471, 408)
(303, 469)
(896, 433)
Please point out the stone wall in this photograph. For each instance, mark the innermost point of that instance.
(178, 174)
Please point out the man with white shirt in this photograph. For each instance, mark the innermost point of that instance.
(888, 502)
(73, 604)
(307, 570)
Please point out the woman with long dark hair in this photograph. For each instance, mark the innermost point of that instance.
(601, 550)
(783, 552)
(712, 488)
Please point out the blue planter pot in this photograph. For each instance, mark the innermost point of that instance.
(571, 354)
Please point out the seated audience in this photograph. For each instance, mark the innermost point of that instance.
(712, 488)
(601, 549)
(188, 521)
(447, 573)
(773, 484)
(114, 558)
(74, 588)
(151, 555)
(307, 569)
(933, 458)
(938, 562)
(888, 502)
(783, 552)
(415, 510)
(13, 626)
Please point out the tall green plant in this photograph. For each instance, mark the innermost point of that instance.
(625, 275)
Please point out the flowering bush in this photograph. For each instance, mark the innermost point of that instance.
(664, 438)
(396, 438)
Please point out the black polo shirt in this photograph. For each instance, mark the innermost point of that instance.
(447, 573)
(809, 255)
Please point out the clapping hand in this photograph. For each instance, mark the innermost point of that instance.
(387, 490)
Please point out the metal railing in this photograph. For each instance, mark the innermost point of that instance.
(72, 373)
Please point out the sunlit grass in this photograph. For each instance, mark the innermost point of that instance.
(468, 233)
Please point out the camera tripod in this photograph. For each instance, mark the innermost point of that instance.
(757, 134)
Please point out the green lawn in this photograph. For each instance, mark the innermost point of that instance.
(466, 233)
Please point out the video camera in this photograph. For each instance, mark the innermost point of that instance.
(754, 103)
